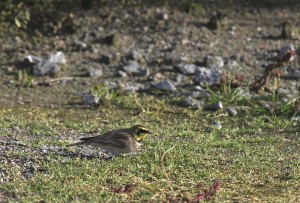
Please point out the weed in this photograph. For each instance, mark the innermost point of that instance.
(228, 95)
(106, 94)
(24, 78)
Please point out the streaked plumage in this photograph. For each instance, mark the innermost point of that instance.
(117, 142)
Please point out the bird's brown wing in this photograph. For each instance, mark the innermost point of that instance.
(114, 138)
(102, 136)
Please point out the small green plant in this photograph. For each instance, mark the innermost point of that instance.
(104, 93)
(228, 95)
(274, 122)
(22, 18)
(24, 78)
(273, 104)
(289, 106)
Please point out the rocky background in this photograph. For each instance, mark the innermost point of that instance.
(136, 47)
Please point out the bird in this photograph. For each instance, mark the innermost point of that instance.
(116, 142)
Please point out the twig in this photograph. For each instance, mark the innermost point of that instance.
(49, 82)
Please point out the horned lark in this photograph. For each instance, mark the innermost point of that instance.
(117, 142)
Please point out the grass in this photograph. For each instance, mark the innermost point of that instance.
(228, 95)
(253, 161)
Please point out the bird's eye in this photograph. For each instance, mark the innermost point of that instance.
(141, 131)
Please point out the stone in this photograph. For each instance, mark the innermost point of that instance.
(167, 68)
(137, 55)
(214, 62)
(122, 74)
(214, 107)
(144, 72)
(204, 76)
(165, 85)
(90, 99)
(218, 105)
(106, 59)
(80, 45)
(293, 74)
(186, 69)
(180, 79)
(42, 69)
(133, 67)
(49, 66)
(94, 72)
(191, 102)
(216, 125)
(173, 59)
(231, 111)
(159, 76)
(132, 88)
(202, 92)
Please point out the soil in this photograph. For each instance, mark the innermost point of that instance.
(107, 38)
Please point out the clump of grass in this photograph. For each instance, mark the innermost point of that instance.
(228, 95)
(24, 79)
(105, 94)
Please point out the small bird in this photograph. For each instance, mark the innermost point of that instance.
(119, 141)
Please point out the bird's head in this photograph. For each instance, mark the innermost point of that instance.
(139, 132)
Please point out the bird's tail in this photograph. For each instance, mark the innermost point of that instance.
(75, 144)
(83, 140)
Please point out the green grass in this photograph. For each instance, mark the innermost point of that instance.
(229, 95)
(253, 161)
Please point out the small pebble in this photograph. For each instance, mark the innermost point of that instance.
(215, 107)
(214, 62)
(186, 69)
(216, 125)
(191, 102)
(133, 67)
(89, 99)
(93, 72)
(231, 111)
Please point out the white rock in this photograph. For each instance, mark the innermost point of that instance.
(187, 69)
(48, 66)
(132, 68)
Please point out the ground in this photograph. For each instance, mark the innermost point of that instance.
(253, 156)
